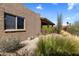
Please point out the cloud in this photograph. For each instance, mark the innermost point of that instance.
(39, 7)
(68, 18)
(77, 14)
(55, 3)
(71, 6)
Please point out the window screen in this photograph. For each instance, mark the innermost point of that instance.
(10, 21)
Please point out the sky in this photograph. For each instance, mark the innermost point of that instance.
(70, 11)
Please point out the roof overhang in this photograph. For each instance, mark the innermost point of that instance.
(45, 21)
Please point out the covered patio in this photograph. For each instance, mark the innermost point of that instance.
(47, 23)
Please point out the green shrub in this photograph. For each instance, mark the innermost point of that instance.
(47, 29)
(57, 46)
(74, 28)
(9, 44)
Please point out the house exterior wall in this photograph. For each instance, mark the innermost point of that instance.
(32, 21)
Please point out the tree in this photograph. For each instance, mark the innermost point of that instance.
(67, 23)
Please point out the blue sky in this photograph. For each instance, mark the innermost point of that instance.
(70, 11)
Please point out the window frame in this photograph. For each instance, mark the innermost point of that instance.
(16, 29)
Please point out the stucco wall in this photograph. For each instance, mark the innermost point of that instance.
(32, 21)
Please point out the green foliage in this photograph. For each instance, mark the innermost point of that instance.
(57, 46)
(59, 23)
(47, 29)
(74, 28)
(9, 44)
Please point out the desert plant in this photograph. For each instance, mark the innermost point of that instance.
(57, 45)
(9, 44)
(74, 28)
(59, 23)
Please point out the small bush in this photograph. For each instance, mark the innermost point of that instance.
(74, 28)
(9, 44)
(57, 46)
(47, 29)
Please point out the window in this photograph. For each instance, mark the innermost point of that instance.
(20, 23)
(13, 22)
(10, 21)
